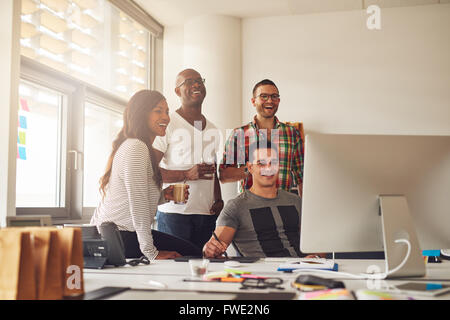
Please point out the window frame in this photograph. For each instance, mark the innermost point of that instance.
(77, 92)
(36, 73)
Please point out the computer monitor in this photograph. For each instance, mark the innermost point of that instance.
(346, 176)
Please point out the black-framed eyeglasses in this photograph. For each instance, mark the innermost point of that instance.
(190, 82)
(265, 97)
(262, 163)
(262, 283)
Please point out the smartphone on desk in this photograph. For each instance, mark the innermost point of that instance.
(422, 289)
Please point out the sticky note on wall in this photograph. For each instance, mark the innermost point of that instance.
(24, 105)
(22, 153)
(23, 122)
(22, 138)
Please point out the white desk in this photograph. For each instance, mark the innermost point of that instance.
(171, 274)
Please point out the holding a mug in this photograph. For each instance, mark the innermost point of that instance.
(179, 193)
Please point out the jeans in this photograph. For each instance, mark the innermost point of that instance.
(196, 228)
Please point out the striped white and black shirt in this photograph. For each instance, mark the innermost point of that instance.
(132, 196)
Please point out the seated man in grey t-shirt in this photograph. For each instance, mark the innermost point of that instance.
(263, 221)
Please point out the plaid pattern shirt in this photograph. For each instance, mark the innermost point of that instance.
(290, 152)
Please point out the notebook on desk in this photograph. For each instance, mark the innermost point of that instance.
(239, 259)
(309, 264)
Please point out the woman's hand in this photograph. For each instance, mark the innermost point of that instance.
(168, 193)
(167, 255)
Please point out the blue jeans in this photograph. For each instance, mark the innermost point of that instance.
(196, 228)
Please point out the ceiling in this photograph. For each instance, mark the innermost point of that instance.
(177, 12)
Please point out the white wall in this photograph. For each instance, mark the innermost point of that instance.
(212, 45)
(337, 76)
(9, 84)
(172, 63)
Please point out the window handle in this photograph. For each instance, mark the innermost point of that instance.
(76, 154)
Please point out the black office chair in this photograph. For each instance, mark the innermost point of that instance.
(162, 241)
(165, 241)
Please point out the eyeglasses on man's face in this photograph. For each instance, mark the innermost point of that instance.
(265, 97)
(190, 82)
(271, 162)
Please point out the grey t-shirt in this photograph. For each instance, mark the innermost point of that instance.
(264, 227)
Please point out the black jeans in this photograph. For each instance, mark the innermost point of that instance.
(162, 241)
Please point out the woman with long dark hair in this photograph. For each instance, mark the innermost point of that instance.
(131, 185)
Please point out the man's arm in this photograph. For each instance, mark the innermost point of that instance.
(199, 171)
(169, 176)
(218, 202)
(298, 163)
(229, 170)
(232, 174)
(214, 248)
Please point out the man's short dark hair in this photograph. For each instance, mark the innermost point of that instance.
(261, 144)
(263, 83)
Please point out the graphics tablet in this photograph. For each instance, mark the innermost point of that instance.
(239, 259)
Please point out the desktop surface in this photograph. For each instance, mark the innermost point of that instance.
(170, 275)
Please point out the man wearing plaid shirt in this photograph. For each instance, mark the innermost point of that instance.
(265, 124)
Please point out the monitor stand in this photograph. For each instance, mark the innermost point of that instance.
(397, 225)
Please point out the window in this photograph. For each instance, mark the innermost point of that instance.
(130, 61)
(89, 39)
(101, 126)
(39, 147)
(81, 60)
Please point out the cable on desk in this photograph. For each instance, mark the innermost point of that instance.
(364, 276)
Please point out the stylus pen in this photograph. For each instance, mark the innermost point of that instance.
(215, 236)
(200, 280)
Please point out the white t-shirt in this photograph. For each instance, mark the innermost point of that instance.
(183, 147)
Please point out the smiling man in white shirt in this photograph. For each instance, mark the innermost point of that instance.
(189, 154)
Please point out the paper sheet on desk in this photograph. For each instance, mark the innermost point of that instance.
(329, 294)
(318, 264)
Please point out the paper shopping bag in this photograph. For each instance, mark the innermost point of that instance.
(72, 261)
(17, 277)
(47, 262)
